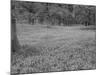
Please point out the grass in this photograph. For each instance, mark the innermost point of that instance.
(53, 49)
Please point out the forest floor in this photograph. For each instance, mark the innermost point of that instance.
(54, 48)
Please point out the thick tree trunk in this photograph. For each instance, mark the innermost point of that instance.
(14, 40)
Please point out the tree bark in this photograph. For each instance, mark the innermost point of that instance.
(14, 40)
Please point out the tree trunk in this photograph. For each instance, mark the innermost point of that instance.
(14, 40)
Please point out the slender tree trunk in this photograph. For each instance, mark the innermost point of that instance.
(14, 40)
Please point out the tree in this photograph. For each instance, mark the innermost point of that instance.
(15, 46)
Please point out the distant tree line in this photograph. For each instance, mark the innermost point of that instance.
(54, 14)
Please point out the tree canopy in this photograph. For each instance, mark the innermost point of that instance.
(54, 13)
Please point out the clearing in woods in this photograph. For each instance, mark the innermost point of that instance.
(57, 48)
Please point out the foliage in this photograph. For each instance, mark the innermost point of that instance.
(66, 14)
